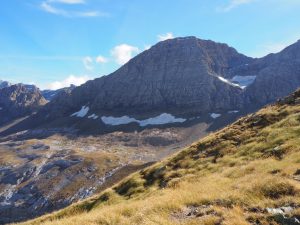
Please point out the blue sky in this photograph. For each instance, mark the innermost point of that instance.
(53, 43)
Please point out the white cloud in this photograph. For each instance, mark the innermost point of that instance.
(48, 7)
(68, 1)
(68, 81)
(234, 4)
(123, 53)
(89, 14)
(88, 63)
(147, 47)
(163, 37)
(101, 59)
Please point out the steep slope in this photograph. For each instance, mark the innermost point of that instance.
(19, 100)
(246, 173)
(41, 174)
(171, 76)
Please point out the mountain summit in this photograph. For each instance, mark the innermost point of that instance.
(177, 80)
(172, 75)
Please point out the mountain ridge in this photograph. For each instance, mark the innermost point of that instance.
(185, 77)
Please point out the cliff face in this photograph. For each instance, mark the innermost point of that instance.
(182, 76)
(179, 74)
(19, 100)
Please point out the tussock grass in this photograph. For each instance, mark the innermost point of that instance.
(236, 172)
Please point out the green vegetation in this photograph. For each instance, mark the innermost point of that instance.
(229, 177)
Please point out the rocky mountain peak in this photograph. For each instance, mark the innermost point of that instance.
(173, 75)
(19, 100)
(219, 57)
(184, 77)
(23, 95)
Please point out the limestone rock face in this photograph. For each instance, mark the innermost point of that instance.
(19, 100)
(184, 76)
(174, 75)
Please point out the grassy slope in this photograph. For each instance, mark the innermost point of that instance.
(229, 177)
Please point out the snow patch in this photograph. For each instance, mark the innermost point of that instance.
(164, 118)
(82, 112)
(215, 115)
(233, 111)
(239, 81)
(228, 82)
(243, 81)
(281, 210)
(114, 121)
(93, 116)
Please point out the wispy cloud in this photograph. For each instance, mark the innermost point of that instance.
(233, 4)
(72, 79)
(49, 7)
(147, 47)
(88, 63)
(68, 1)
(89, 14)
(163, 37)
(123, 53)
(101, 59)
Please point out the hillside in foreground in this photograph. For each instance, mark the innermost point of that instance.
(246, 173)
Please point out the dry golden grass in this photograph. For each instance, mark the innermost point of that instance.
(248, 165)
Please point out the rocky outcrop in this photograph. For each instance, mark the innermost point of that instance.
(19, 100)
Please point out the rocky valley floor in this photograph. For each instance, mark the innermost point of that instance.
(44, 170)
